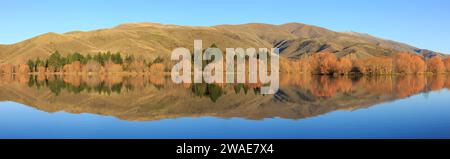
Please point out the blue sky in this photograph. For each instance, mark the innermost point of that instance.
(422, 23)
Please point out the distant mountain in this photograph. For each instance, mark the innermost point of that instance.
(149, 40)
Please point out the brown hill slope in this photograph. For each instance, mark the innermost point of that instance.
(149, 40)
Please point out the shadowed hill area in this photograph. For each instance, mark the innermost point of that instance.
(150, 40)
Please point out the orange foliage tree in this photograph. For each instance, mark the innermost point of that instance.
(408, 63)
(375, 65)
(344, 66)
(435, 65)
(304, 66)
(447, 64)
(323, 63)
(418, 64)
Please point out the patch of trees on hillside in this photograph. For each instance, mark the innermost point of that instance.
(76, 62)
(323, 63)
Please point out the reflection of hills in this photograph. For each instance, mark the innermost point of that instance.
(142, 98)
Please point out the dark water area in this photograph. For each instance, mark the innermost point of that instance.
(151, 106)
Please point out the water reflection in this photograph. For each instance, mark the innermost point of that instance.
(155, 97)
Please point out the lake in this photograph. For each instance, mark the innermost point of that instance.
(141, 106)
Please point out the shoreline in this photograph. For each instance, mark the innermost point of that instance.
(169, 73)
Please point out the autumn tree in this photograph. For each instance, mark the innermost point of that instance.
(323, 63)
(402, 63)
(304, 66)
(407, 63)
(285, 65)
(92, 66)
(375, 65)
(344, 66)
(447, 64)
(435, 65)
(418, 64)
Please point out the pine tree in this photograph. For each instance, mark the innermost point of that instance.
(55, 61)
(117, 58)
(31, 65)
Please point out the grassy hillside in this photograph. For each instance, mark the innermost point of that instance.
(150, 40)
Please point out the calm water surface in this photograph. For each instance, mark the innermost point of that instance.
(152, 107)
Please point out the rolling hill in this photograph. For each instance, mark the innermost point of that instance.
(149, 40)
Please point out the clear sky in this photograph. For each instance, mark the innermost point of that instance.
(422, 23)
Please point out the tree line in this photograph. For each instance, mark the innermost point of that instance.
(326, 63)
(56, 62)
(323, 63)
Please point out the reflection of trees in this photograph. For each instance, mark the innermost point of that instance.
(212, 91)
(299, 96)
(436, 82)
(324, 86)
(447, 83)
(99, 83)
(317, 86)
(376, 84)
(409, 85)
(400, 86)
